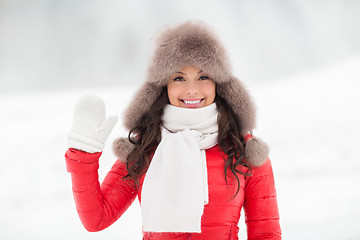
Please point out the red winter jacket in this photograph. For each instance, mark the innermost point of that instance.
(100, 206)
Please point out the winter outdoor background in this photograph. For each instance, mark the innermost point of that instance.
(299, 59)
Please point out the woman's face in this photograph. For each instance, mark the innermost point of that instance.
(191, 88)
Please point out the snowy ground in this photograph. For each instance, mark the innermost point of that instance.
(311, 122)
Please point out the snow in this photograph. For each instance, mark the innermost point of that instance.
(310, 120)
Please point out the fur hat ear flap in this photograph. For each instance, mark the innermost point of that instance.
(141, 103)
(256, 152)
(239, 99)
(122, 147)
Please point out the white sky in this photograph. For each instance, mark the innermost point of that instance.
(71, 44)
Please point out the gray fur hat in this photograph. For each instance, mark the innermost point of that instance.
(192, 43)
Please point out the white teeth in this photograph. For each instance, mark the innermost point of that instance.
(192, 102)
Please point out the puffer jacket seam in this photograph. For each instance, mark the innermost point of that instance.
(254, 177)
(232, 219)
(265, 219)
(264, 197)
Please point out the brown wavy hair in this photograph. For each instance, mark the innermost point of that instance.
(147, 135)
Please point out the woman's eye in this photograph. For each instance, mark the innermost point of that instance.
(178, 79)
(204, 78)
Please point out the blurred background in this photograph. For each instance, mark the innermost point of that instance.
(49, 44)
(300, 60)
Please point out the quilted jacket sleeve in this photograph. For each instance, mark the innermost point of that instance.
(98, 206)
(260, 205)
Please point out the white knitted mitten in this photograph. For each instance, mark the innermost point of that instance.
(90, 129)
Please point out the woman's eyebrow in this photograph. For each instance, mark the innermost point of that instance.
(186, 74)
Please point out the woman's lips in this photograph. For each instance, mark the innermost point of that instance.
(191, 102)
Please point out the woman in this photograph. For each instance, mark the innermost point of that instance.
(190, 156)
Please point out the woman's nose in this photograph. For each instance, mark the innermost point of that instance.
(192, 89)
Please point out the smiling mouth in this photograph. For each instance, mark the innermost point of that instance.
(192, 102)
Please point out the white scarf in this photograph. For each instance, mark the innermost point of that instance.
(175, 187)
